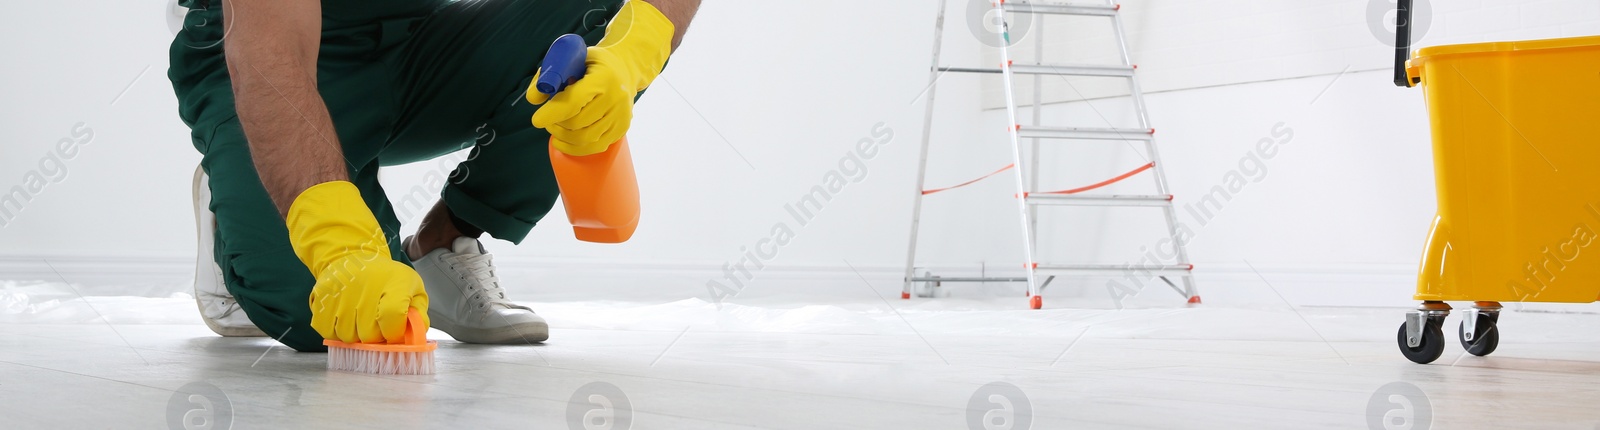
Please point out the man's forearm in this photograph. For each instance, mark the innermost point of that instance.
(680, 12)
(272, 54)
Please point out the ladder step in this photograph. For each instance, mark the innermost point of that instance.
(1085, 133)
(966, 279)
(1062, 9)
(1054, 69)
(1099, 200)
(1111, 269)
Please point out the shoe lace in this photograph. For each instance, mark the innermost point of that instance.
(485, 288)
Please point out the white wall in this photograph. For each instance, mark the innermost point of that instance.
(1184, 45)
(792, 86)
(761, 102)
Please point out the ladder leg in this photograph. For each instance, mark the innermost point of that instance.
(1159, 172)
(1016, 155)
(1188, 289)
(1038, 120)
(922, 158)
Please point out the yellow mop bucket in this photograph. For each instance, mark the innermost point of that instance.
(1516, 149)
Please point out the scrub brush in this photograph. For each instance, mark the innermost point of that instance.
(413, 355)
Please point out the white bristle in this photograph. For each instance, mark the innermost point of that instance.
(380, 362)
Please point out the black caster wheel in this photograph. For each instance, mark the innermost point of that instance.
(1486, 338)
(1429, 349)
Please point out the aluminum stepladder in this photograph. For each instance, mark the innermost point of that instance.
(1028, 202)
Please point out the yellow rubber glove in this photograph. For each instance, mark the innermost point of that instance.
(591, 114)
(361, 294)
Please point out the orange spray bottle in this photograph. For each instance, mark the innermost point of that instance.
(600, 191)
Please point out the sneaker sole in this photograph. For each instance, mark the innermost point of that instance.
(517, 334)
(223, 331)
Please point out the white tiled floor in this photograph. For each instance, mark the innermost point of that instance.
(840, 364)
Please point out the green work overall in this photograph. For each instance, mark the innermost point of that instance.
(405, 81)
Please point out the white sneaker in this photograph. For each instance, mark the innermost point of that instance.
(217, 308)
(465, 299)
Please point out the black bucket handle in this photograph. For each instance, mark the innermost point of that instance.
(1402, 42)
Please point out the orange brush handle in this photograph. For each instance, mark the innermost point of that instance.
(415, 338)
(600, 192)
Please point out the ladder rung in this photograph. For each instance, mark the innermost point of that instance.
(1085, 133)
(955, 279)
(1110, 269)
(1099, 200)
(1062, 9)
(1053, 69)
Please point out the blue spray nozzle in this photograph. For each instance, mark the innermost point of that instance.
(563, 64)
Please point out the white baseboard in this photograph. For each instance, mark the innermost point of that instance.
(1265, 284)
(91, 270)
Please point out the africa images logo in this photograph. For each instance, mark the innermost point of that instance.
(987, 24)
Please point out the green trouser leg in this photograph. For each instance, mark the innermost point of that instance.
(252, 247)
(408, 88)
